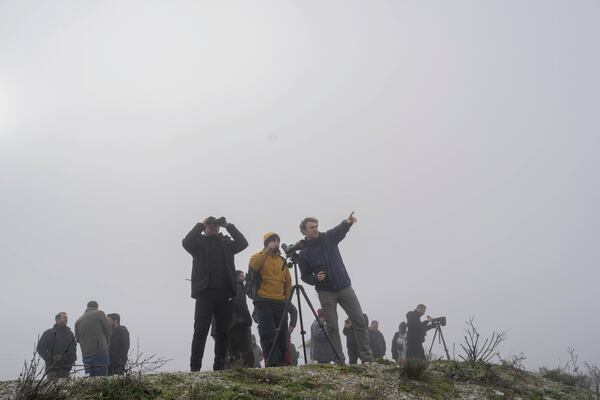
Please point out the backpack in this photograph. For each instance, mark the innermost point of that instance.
(252, 283)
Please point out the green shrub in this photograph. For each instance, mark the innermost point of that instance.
(121, 388)
(557, 375)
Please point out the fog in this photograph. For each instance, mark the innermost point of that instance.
(463, 134)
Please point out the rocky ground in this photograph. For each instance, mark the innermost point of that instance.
(441, 380)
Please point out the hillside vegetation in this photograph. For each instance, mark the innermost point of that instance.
(438, 380)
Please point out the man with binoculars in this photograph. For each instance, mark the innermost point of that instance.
(213, 284)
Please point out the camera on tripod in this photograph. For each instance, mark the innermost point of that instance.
(291, 252)
(293, 249)
(437, 324)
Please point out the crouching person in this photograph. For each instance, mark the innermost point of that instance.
(270, 299)
(57, 348)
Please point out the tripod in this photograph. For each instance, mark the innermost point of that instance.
(440, 335)
(297, 288)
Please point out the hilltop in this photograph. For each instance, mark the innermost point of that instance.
(441, 380)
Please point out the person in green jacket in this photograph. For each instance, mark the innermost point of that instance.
(92, 332)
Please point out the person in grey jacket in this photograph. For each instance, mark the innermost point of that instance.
(322, 352)
(92, 332)
(57, 348)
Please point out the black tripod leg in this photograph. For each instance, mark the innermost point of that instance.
(320, 324)
(302, 331)
(432, 342)
(445, 347)
(279, 326)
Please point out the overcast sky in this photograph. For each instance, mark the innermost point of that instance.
(464, 134)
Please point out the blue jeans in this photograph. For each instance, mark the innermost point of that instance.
(97, 364)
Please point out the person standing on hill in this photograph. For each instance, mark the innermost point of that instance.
(213, 284)
(417, 330)
(92, 332)
(118, 346)
(269, 304)
(57, 348)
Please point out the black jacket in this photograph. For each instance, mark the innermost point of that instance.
(240, 308)
(57, 345)
(195, 244)
(350, 333)
(119, 346)
(377, 342)
(416, 329)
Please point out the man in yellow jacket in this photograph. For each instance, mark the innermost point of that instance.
(269, 304)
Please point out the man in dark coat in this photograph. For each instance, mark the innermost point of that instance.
(239, 341)
(322, 265)
(213, 284)
(118, 346)
(58, 348)
(416, 332)
(351, 344)
(377, 340)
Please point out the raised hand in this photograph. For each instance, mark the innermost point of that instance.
(351, 219)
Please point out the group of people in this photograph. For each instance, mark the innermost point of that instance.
(220, 292)
(220, 295)
(406, 343)
(104, 344)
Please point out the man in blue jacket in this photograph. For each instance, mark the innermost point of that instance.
(321, 265)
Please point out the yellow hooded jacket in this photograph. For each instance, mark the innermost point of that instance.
(276, 283)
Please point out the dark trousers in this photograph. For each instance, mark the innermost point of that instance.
(239, 345)
(415, 350)
(352, 355)
(269, 315)
(211, 302)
